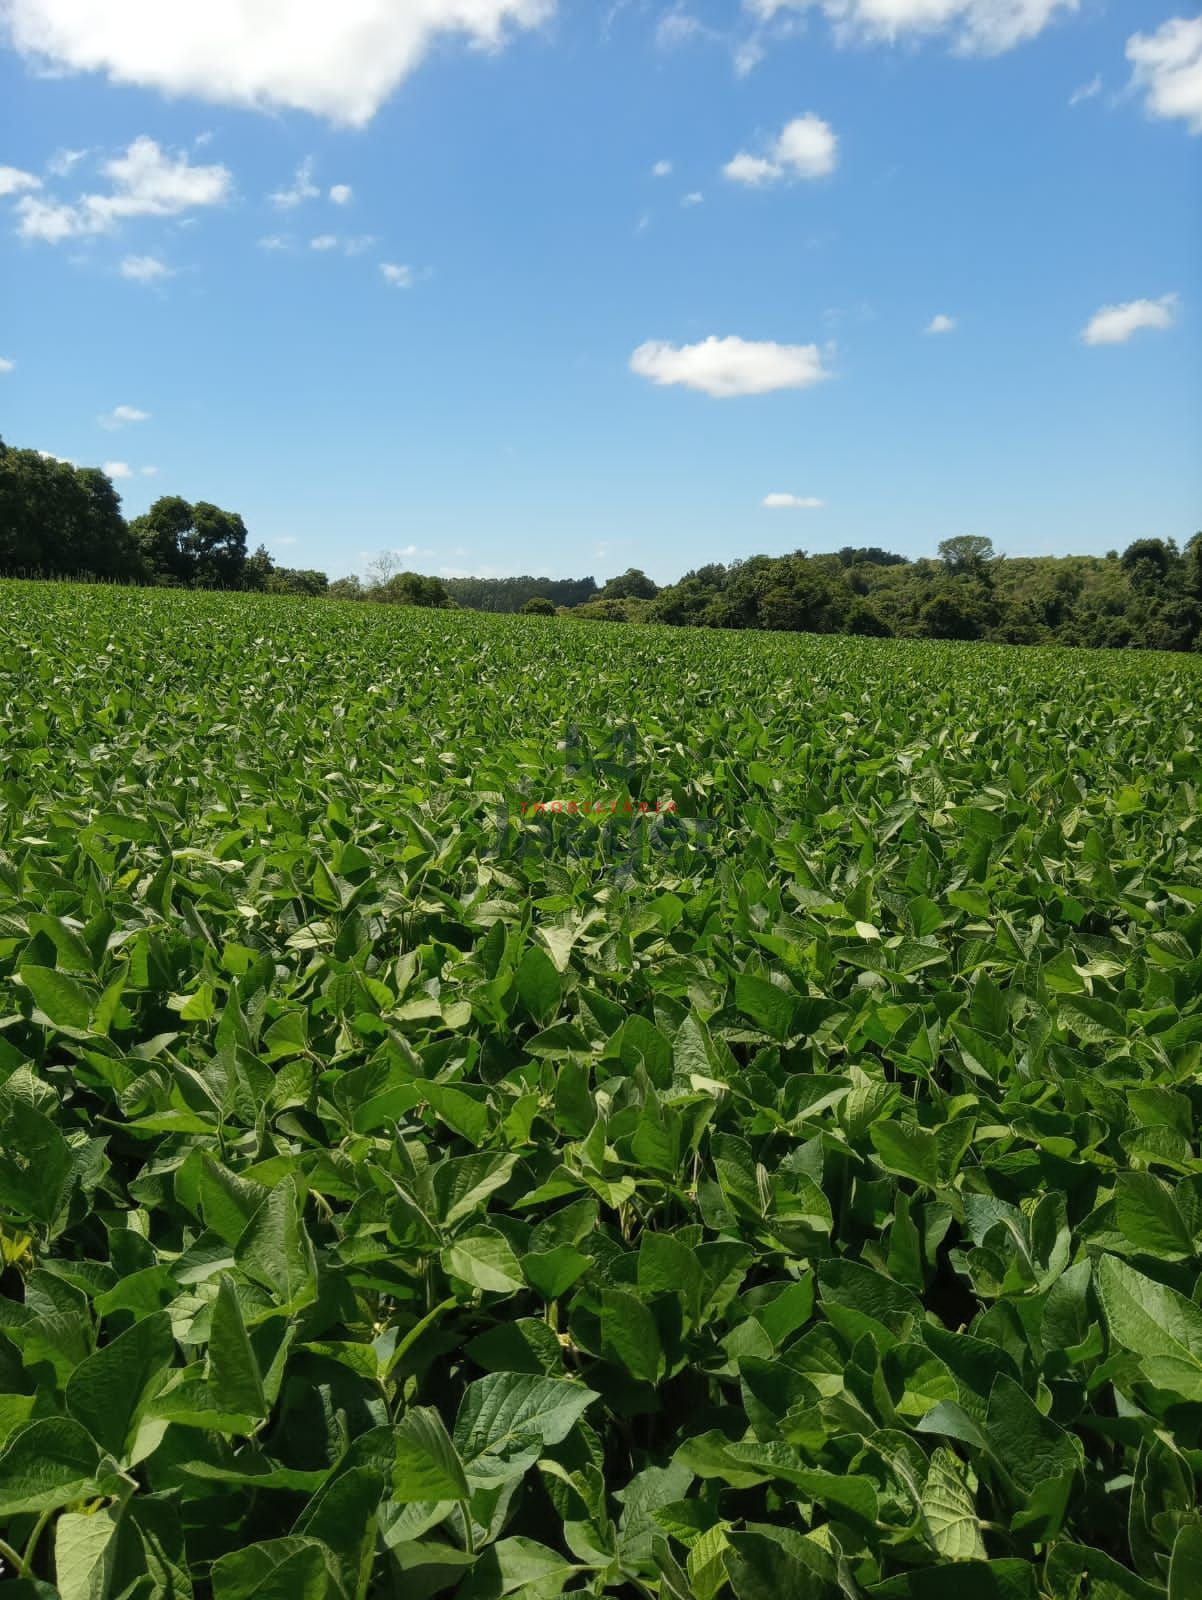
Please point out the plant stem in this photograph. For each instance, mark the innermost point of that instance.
(7, 1553)
(32, 1542)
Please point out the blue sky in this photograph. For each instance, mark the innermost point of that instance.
(518, 346)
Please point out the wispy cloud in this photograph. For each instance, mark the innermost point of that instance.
(145, 269)
(14, 181)
(146, 182)
(791, 502)
(1086, 91)
(348, 247)
(980, 27)
(302, 188)
(678, 27)
(122, 416)
(941, 323)
(61, 163)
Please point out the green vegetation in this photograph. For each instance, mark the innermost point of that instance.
(795, 1193)
(58, 520)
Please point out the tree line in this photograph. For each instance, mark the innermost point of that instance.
(57, 519)
(1149, 596)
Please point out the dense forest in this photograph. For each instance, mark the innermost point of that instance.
(57, 519)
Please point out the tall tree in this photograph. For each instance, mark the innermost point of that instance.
(967, 552)
(196, 545)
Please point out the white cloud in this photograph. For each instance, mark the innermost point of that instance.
(47, 220)
(6, 365)
(48, 455)
(693, 199)
(275, 241)
(807, 147)
(151, 184)
(752, 170)
(287, 539)
(1086, 91)
(677, 27)
(941, 323)
(340, 194)
(146, 183)
(303, 188)
(119, 416)
(748, 55)
(400, 277)
(1116, 324)
(145, 269)
(337, 61)
(1168, 69)
(324, 241)
(13, 180)
(978, 27)
(62, 161)
(117, 469)
(148, 472)
(661, 169)
(727, 367)
(791, 502)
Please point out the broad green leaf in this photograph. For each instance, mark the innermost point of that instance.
(516, 1566)
(1185, 1568)
(1030, 1446)
(502, 1413)
(293, 1568)
(553, 1272)
(629, 1335)
(485, 1260)
(771, 1008)
(234, 1374)
(539, 985)
(47, 1464)
(1148, 1217)
(63, 999)
(948, 1513)
(427, 1464)
(771, 1563)
(276, 1252)
(84, 1552)
(1154, 1322)
(109, 1392)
